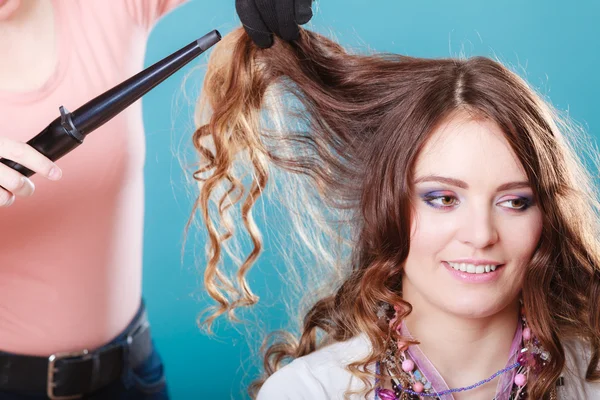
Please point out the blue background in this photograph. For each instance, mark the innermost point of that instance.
(552, 44)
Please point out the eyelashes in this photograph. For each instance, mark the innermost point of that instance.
(446, 201)
(439, 201)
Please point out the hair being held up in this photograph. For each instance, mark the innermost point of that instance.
(345, 130)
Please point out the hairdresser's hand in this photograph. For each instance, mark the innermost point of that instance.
(13, 183)
(263, 18)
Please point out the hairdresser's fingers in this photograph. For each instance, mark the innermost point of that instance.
(253, 23)
(303, 11)
(287, 26)
(15, 183)
(29, 157)
(6, 198)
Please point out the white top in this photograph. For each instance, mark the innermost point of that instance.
(322, 375)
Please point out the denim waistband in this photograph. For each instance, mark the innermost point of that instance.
(81, 371)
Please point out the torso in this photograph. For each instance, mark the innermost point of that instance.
(71, 255)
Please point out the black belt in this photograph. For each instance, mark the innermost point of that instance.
(75, 374)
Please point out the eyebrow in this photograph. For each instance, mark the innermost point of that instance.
(464, 185)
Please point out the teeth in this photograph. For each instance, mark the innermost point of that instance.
(472, 269)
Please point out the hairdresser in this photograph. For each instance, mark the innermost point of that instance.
(72, 322)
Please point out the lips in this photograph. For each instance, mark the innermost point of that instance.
(474, 277)
(475, 261)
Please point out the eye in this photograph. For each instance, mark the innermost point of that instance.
(518, 204)
(442, 201)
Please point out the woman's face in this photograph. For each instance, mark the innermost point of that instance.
(475, 224)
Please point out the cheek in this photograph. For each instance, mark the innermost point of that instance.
(521, 239)
(430, 234)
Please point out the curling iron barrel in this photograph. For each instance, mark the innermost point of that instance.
(70, 129)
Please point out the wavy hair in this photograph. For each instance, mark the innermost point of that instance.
(337, 135)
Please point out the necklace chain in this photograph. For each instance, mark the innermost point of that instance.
(409, 383)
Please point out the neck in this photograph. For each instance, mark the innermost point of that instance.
(27, 49)
(464, 350)
(11, 11)
(19, 18)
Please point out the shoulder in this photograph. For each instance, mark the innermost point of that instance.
(319, 375)
(577, 358)
(294, 381)
(146, 12)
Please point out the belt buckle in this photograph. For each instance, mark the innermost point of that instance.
(52, 360)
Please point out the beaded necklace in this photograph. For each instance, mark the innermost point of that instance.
(409, 383)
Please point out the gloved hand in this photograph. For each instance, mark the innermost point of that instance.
(263, 18)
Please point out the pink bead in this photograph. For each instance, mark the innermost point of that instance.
(408, 365)
(418, 387)
(520, 380)
(526, 333)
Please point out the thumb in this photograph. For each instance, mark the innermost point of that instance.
(303, 11)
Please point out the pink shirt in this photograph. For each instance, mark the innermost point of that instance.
(71, 255)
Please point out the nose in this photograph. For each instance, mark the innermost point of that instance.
(478, 229)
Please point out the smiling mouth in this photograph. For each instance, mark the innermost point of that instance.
(474, 269)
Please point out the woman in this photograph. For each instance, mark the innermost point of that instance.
(72, 322)
(455, 223)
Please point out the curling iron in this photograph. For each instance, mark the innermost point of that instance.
(70, 129)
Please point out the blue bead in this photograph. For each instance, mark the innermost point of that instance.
(418, 375)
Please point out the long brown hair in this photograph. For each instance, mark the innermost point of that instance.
(344, 131)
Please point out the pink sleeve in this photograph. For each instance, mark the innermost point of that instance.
(145, 13)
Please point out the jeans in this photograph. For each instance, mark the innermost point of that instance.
(145, 382)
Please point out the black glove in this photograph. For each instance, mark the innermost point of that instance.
(263, 18)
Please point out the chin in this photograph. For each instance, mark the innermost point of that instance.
(475, 306)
